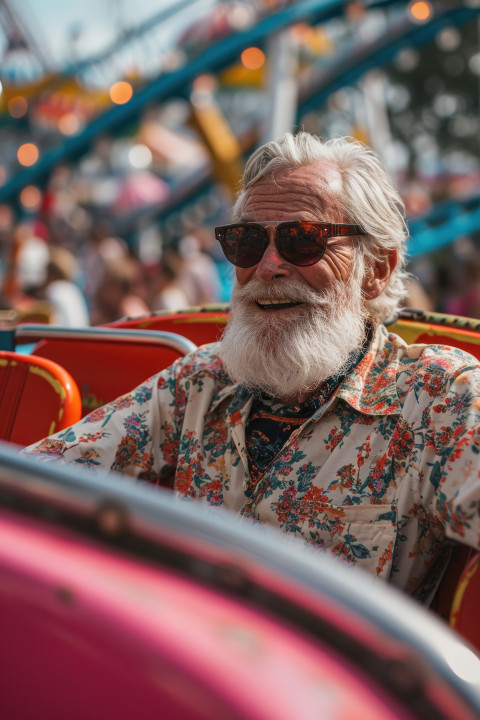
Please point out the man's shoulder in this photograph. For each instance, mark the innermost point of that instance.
(429, 370)
(434, 370)
(440, 358)
(205, 361)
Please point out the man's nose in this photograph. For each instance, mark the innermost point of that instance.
(272, 265)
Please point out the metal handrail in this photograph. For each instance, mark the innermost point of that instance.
(24, 334)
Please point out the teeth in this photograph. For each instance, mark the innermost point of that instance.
(285, 301)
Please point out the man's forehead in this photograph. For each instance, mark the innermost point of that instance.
(321, 175)
(311, 188)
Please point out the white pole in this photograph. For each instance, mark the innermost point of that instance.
(282, 87)
(373, 87)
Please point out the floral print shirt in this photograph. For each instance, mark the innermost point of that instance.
(385, 474)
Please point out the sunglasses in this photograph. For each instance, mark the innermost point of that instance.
(299, 242)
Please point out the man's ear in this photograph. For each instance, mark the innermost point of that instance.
(378, 274)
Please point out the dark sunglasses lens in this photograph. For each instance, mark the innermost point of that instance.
(243, 245)
(301, 244)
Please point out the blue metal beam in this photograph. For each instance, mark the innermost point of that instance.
(354, 65)
(443, 225)
(440, 227)
(177, 83)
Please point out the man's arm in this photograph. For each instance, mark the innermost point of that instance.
(455, 473)
(125, 435)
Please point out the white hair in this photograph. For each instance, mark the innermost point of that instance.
(367, 197)
(267, 354)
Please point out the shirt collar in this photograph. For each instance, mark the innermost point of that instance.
(370, 387)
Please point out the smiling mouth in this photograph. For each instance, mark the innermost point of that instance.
(277, 304)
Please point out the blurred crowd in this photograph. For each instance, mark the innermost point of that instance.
(45, 277)
(93, 276)
(67, 264)
(448, 280)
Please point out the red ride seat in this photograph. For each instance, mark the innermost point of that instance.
(201, 325)
(106, 362)
(438, 329)
(464, 612)
(38, 397)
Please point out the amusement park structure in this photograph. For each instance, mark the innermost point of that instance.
(289, 95)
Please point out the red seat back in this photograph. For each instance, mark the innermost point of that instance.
(201, 325)
(464, 613)
(442, 602)
(438, 329)
(106, 362)
(206, 323)
(37, 398)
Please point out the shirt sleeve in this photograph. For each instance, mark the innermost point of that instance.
(136, 434)
(455, 470)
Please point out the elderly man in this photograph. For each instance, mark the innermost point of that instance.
(308, 415)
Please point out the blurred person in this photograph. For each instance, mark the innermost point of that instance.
(417, 296)
(425, 277)
(464, 298)
(417, 199)
(116, 297)
(309, 415)
(169, 294)
(102, 248)
(68, 304)
(7, 224)
(30, 259)
(24, 274)
(198, 277)
(465, 301)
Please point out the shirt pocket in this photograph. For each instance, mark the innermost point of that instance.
(362, 535)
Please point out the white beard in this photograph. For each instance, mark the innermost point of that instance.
(296, 350)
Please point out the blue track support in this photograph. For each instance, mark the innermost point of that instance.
(443, 225)
(440, 227)
(177, 83)
(356, 64)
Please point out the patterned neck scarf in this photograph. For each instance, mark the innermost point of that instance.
(271, 423)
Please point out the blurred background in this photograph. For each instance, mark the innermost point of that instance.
(124, 128)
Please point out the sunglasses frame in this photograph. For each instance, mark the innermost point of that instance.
(327, 230)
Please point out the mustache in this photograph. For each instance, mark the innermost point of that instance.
(296, 291)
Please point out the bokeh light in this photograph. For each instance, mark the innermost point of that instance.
(140, 157)
(121, 92)
(253, 58)
(204, 84)
(407, 59)
(474, 64)
(448, 39)
(420, 11)
(30, 197)
(6, 217)
(17, 106)
(27, 154)
(68, 124)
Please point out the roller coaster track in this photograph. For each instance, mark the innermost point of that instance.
(131, 35)
(459, 217)
(443, 224)
(446, 221)
(177, 83)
